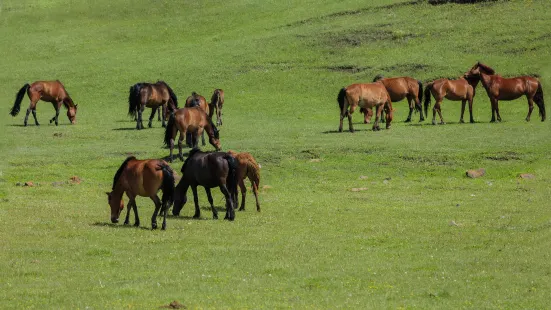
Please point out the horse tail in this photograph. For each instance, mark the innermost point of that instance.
(232, 179)
(340, 99)
(167, 186)
(20, 94)
(538, 99)
(420, 97)
(427, 97)
(134, 100)
(169, 128)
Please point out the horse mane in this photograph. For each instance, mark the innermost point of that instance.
(486, 68)
(191, 153)
(378, 77)
(216, 132)
(170, 92)
(119, 172)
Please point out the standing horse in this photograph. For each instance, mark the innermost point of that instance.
(193, 120)
(208, 170)
(499, 88)
(196, 100)
(365, 96)
(216, 103)
(152, 96)
(141, 178)
(460, 89)
(247, 168)
(49, 91)
(400, 88)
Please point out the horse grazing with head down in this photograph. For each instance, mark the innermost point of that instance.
(49, 91)
(216, 103)
(190, 120)
(499, 88)
(209, 170)
(247, 167)
(141, 178)
(400, 88)
(153, 96)
(460, 89)
(365, 96)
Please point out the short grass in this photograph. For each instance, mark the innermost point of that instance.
(420, 236)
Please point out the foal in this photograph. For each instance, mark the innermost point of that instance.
(247, 168)
(196, 100)
(216, 103)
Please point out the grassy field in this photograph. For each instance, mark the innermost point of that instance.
(418, 235)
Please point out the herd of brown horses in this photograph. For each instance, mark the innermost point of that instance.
(384, 91)
(227, 170)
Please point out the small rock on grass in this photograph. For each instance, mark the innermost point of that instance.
(476, 173)
(527, 176)
(174, 305)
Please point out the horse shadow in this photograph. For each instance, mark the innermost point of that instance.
(118, 226)
(344, 131)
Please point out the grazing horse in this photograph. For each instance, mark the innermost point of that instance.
(193, 120)
(247, 167)
(141, 178)
(216, 103)
(400, 88)
(499, 88)
(460, 89)
(365, 96)
(196, 100)
(49, 91)
(152, 96)
(209, 170)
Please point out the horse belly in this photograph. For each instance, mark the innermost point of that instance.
(509, 96)
(454, 97)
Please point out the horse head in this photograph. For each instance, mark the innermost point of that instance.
(116, 207)
(179, 200)
(72, 114)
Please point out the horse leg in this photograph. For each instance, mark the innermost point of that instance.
(128, 208)
(157, 202)
(471, 119)
(493, 104)
(439, 109)
(350, 126)
(463, 103)
(163, 116)
(209, 196)
(377, 116)
(343, 113)
(140, 122)
(57, 107)
(34, 115)
(180, 142)
(153, 110)
(230, 214)
(136, 217)
(410, 102)
(160, 112)
(530, 108)
(203, 136)
(255, 192)
(243, 189)
(196, 200)
(497, 111)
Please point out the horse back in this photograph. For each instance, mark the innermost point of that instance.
(400, 87)
(142, 177)
(50, 91)
(367, 95)
(206, 169)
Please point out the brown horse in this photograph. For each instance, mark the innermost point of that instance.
(400, 88)
(208, 170)
(141, 178)
(193, 120)
(247, 167)
(196, 100)
(49, 91)
(152, 96)
(499, 88)
(460, 89)
(216, 103)
(365, 96)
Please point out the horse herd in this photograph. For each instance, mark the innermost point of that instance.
(227, 170)
(383, 91)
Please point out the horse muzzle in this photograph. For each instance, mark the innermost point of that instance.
(114, 220)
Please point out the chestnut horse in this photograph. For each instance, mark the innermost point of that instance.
(152, 96)
(196, 100)
(209, 170)
(141, 178)
(49, 91)
(247, 167)
(499, 88)
(400, 88)
(365, 96)
(216, 103)
(193, 120)
(460, 89)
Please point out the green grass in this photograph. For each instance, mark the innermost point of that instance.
(421, 236)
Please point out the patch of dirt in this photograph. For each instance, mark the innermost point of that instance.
(520, 50)
(473, 174)
(174, 305)
(407, 67)
(348, 69)
(75, 180)
(526, 176)
(355, 38)
(265, 187)
(27, 184)
(58, 134)
(359, 189)
(504, 156)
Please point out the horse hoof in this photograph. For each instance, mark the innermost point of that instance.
(137, 224)
(51, 121)
(153, 226)
(163, 227)
(471, 121)
(126, 223)
(461, 121)
(442, 123)
(196, 216)
(37, 124)
(215, 217)
(407, 120)
(241, 209)
(433, 122)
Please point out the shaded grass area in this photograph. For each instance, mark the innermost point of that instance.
(420, 234)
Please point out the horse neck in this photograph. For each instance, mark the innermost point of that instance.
(68, 102)
(485, 79)
(117, 192)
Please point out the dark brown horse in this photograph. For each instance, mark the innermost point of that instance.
(460, 89)
(499, 88)
(141, 178)
(216, 103)
(209, 170)
(49, 91)
(365, 96)
(400, 88)
(152, 96)
(196, 100)
(247, 168)
(193, 120)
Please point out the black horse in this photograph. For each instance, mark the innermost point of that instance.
(208, 169)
